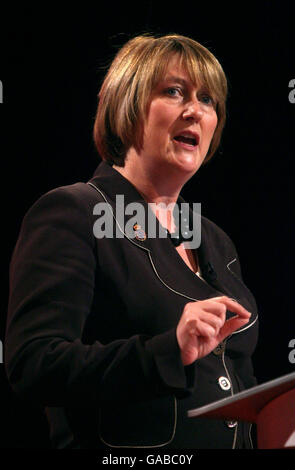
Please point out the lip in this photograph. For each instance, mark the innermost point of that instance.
(189, 134)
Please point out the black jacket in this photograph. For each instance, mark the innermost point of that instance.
(91, 326)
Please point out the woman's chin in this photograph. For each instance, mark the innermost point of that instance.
(188, 162)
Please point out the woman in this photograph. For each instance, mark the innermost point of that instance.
(118, 336)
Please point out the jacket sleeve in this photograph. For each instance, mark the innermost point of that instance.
(52, 280)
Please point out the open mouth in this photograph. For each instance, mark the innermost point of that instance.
(187, 139)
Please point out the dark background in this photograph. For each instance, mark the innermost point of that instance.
(52, 62)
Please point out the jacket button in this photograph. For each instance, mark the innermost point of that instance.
(219, 349)
(224, 383)
(231, 423)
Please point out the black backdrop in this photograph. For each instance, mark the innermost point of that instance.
(51, 66)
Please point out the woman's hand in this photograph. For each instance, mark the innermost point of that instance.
(203, 326)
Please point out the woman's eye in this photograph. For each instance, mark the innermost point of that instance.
(207, 99)
(173, 91)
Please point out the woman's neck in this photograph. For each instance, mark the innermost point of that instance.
(156, 185)
(160, 196)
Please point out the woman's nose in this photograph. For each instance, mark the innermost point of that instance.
(193, 111)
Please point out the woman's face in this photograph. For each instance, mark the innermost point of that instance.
(180, 123)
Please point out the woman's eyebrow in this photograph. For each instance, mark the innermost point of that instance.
(174, 78)
(182, 81)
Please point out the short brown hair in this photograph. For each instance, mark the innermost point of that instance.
(133, 74)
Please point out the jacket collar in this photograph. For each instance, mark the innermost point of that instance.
(113, 184)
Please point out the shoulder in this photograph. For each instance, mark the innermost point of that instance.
(62, 209)
(64, 201)
(78, 194)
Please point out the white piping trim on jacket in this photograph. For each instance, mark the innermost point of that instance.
(232, 393)
(154, 268)
(232, 261)
(237, 277)
(187, 297)
(146, 249)
(147, 446)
